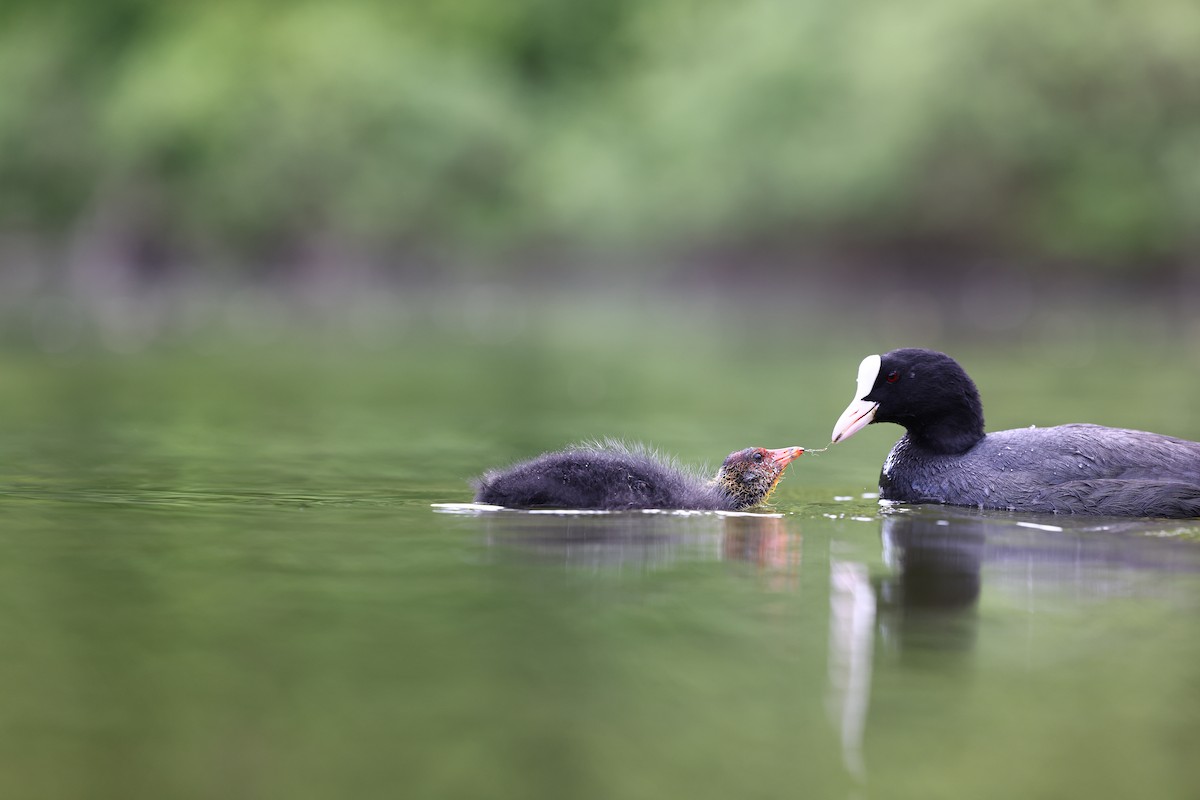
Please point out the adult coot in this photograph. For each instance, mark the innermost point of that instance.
(945, 457)
(614, 476)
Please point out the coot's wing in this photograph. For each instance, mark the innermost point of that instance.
(1123, 498)
(1089, 469)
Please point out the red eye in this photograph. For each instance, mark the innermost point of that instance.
(893, 376)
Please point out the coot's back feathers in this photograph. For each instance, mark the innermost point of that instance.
(945, 457)
(1067, 469)
(608, 476)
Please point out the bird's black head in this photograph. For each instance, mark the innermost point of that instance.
(749, 475)
(925, 391)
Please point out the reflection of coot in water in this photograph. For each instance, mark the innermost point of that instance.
(613, 477)
(928, 603)
(945, 457)
(938, 561)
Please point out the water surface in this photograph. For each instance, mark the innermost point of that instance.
(226, 574)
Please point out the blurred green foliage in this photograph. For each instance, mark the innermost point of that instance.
(228, 129)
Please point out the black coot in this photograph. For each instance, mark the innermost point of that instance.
(614, 476)
(945, 457)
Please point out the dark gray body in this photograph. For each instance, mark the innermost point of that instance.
(603, 477)
(1069, 469)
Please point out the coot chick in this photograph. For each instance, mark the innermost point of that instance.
(945, 457)
(613, 476)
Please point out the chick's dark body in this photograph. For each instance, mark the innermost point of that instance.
(615, 477)
(598, 479)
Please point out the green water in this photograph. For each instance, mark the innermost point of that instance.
(224, 575)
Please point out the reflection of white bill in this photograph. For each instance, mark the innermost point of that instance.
(851, 646)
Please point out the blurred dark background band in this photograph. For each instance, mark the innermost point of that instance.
(144, 143)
